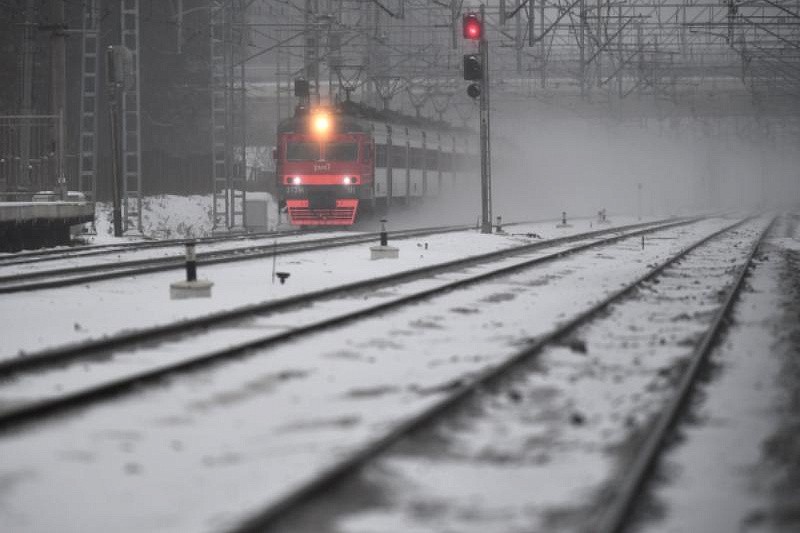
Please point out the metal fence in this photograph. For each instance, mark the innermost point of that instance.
(31, 153)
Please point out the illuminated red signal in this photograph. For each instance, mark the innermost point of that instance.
(472, 27)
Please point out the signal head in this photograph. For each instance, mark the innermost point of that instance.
(473, 90)
(301, 88)
(473, 70)
(472, 27)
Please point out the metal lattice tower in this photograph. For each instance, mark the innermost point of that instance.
(228, 141)
(220, 172)
(87, 158)
(666, 53)
(131, 122)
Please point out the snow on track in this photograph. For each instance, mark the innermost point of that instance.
(43, 319)
(733, 457)
(534, 455)
(61, 379)
(130, 252)
(205, 449)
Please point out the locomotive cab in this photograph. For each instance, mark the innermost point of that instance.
(324, 168)
(331, 164)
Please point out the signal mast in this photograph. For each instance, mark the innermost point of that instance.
(476, 70)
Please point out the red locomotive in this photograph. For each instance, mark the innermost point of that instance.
(332, 163)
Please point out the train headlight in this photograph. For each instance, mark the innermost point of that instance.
(321, 123)
(347, 180)
(296, 180)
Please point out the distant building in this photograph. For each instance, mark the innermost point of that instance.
(175, 79)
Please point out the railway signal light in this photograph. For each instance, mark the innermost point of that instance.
(473, 70)
(473, 90)
(472, 27)
(301, 88)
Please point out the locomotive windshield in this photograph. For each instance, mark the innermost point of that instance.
(302, 151)
(341, 151)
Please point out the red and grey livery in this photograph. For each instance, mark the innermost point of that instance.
(330, 165)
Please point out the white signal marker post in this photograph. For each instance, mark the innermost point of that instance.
(486, 158)
(191, 262)
(384, 251)
(192, 287)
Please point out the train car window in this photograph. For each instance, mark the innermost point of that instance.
(398, 157)
(380, 155)
(416, 157)
(341, 152)
(302, 151)
(367, 153)
(432, 160)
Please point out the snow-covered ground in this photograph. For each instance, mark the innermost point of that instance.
(201, 451)
(59, 381)
(165, 217)
(205, 449)
(534, 454)
(172, 217)
(736, 466)
(141, 301)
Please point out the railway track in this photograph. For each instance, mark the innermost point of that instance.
(151, 354)
(289, 489)
(630, 487)
(42, 256)
(311, 505)
(99, 271)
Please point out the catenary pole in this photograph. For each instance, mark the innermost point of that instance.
(58, 74)
(486, 170)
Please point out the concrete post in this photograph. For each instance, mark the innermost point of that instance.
(384, 234)
(191, 262)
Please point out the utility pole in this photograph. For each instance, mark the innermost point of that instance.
(621, 57)
(22, 177)
(58, 82)
(599, 36)
(485, 138)
(518, 35)
(116, 163)
(311, 52)
(117, 64)
(581, 47)
(640, 59)
(243, 105)
(373, 58)
(542, 49)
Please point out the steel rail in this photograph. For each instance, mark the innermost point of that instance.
(41, 256)
(272, 514)
(161, 264)
(77, 252)
(100, 349)
(617, 513)
(73, 350)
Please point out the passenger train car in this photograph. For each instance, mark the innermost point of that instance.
(334, 163)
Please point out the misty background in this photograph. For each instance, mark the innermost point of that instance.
(582, 113)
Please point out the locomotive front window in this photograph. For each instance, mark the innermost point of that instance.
(302, 151)
(341, 152)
